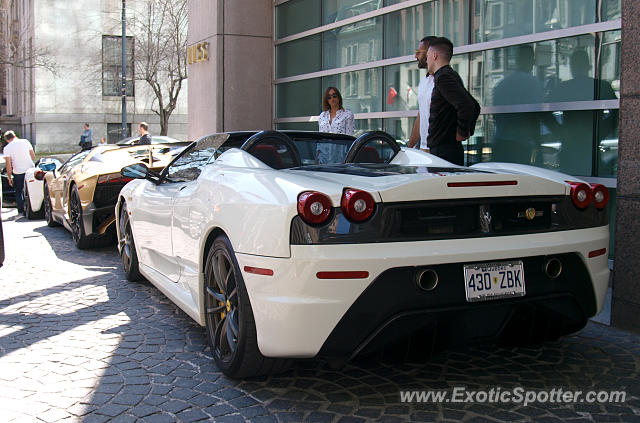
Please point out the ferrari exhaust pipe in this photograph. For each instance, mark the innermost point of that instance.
(553, 268)
(427, 279)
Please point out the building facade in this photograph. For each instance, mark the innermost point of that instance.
(80, 81)
(546, 72)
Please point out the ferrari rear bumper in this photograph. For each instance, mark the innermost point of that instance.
(298, 314)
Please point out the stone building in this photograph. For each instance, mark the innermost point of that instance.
(81, 41)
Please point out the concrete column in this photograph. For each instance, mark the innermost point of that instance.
(233, 89)
(626, 282)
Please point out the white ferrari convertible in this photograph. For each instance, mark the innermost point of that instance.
(304, 244)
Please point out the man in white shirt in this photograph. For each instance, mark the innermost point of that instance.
(425, 88)
(19, 156)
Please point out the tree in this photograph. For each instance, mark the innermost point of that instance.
(160, 30)
(17, 48)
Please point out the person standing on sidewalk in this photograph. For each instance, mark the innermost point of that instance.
(145, 138)
(86, 139)
(453, 112)
(19, 156)
(425, 89)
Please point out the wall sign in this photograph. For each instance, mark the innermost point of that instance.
(198, 53)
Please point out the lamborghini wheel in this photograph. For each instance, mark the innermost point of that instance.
(229, 318)
(75, 220)
(48, 210)
(127, 247)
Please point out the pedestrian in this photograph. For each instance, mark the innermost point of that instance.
(86, 139)
(19, 156)
(337, 120)
(453, 111)
(425, 88)
(102, 141)
(145, 138)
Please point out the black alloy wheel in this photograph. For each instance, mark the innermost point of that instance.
(48, 209)
(75, 219)
(127, 247)
(229, 318)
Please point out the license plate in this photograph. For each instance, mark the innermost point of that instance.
(491, 281)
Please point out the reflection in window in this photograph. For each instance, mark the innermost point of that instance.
(352, 44)
(399, 128)
(361, 90)
(560, 140)
(511, 18)
(188, 167)
(299, 56)
(405, 28)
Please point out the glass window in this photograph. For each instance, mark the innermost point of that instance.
(296, 16)
(298, 126)
(337, 10)
(405, 28)
(611, 9)
(360, 42)
(402, 86)
(299, 56)
(561, 140)
(549, 71)
(361, 90)
(511, 18)
(190, 165)
(112, 66)
(114, 132)
(299, 98)
(610, 65)
(607, 149)
(399, 128)
(366, 125)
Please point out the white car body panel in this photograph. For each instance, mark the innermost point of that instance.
(35, 189)
(286, 305)
(254, 206)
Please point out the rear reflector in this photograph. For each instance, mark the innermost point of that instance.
(258, 270)
(596, 253)
(343, 275)
(481, 184)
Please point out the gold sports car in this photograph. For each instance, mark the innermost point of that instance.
(82, 193)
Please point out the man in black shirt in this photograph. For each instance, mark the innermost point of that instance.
(453, 111)
(145, 138)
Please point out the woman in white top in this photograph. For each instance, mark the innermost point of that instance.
(334, 119)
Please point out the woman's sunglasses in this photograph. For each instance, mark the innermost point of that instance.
(332, 95)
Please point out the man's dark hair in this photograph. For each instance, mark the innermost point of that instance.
(428, 40)
(443, 46)
(9, 135)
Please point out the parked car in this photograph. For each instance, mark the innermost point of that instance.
(8, 192)
(81, 194)
(34, 186)
(155, 139)
(280, 254)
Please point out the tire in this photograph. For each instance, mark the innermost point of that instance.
(75, 221)
(127, 247)
(229, 318)
(28, 211)
(48, 209)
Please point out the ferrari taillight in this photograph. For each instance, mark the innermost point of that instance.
(580, 194)
(600, 195)
(357, 205)
(39, 175)
(314, 207)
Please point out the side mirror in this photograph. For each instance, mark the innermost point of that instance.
(135, 171)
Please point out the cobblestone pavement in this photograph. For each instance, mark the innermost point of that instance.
(80, 343)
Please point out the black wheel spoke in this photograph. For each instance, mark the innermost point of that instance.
(217, 309)
(233, 322)
(216, 295)
(231, 340)
(233, 293)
